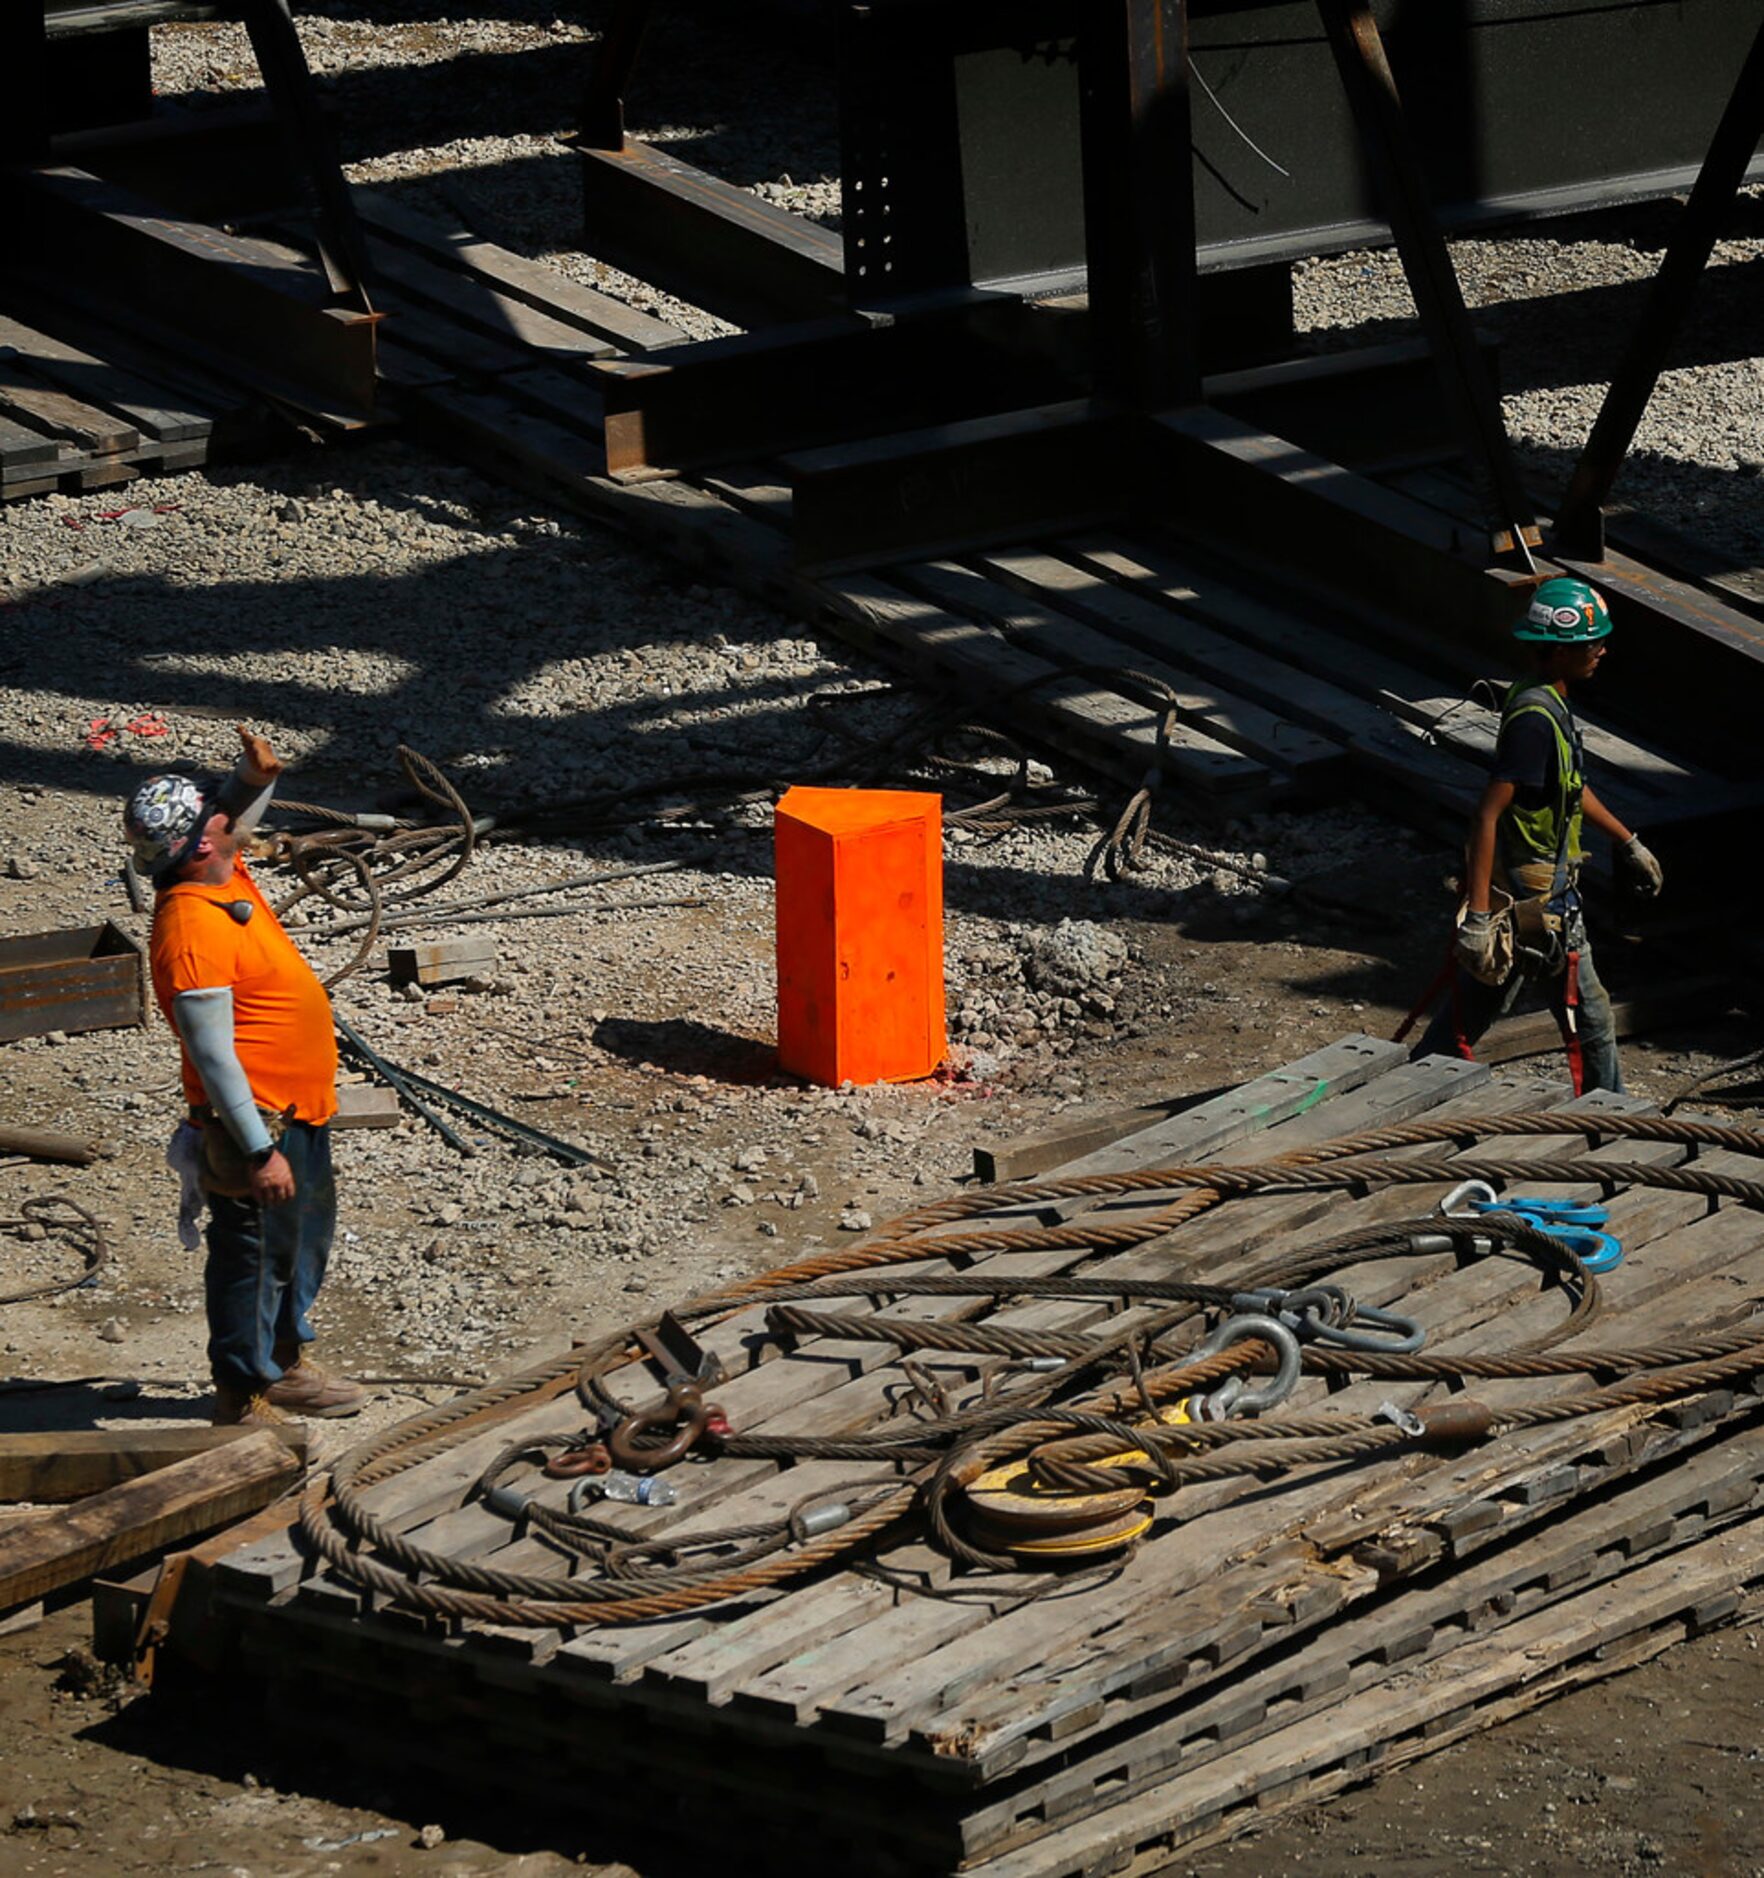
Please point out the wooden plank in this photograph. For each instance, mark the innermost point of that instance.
(463, 351)
(149, 406)
(1411, 1712)
(1227, 1117)
(547, 289)
(1038, 625)
(440, 961)
(192, 1495)
(25, 449)
(707, 1668)
(1314, 1082)
(1587, 1545)
(68, 1464)
(797, 1688)
(1082, 716)
(473, 301)
(55, 412)
(999, 1161)
(367, 1105)
(1178, 634)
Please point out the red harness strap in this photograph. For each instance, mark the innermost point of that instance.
(1568, 1022)
(1446, 978)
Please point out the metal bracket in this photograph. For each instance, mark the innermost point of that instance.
(677, 1353)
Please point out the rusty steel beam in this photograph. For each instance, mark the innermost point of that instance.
(311, 146)
(706, 240)
(263, 319)
(601, 117)
(807, 386)
(997, 479)
(1318, 526)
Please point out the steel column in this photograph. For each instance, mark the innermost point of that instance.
(1580, 524)
(1139, 200)
(1439, 299)
(312, 146)
(601, 122)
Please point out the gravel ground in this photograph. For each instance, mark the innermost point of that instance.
(344, 601)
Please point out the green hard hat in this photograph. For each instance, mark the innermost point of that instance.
(1564, 613)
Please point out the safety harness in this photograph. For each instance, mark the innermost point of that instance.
(1530, 840)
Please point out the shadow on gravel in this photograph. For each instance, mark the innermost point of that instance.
(756, 85)
(26, 1405)
(686, 1048)
(1553, 340)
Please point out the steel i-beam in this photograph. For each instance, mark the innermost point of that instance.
(1139, 200)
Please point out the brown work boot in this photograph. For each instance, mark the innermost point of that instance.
(306, 1388)
(246, 1408)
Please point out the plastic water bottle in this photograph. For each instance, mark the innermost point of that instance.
(636, 1489)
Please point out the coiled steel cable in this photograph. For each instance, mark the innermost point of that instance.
(366, 869)
(363, 1547)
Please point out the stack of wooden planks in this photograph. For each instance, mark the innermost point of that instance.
(1265, 1644)
(83, 408)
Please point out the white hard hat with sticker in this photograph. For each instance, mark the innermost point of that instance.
(163, 821)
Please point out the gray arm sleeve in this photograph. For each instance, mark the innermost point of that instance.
(205, 1022)
(243, 803)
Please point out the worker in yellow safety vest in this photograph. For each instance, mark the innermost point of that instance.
(1521, 920)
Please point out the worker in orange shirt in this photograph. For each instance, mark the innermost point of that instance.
(260, 1076)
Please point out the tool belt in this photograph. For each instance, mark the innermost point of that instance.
(225, 1169)
(1540, 895)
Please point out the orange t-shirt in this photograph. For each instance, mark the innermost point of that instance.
(282, 1026)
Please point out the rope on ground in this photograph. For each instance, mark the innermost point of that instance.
(355, 862)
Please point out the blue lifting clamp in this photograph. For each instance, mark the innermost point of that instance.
(1577, 1226)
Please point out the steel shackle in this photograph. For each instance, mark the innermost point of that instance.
(1252, 1401)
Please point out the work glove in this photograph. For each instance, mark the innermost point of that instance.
(260, 764)
(1474, 947)
(1640, 868)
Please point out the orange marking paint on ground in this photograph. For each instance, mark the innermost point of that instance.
(860, 934)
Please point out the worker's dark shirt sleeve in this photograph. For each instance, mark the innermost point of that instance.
(1526, 756)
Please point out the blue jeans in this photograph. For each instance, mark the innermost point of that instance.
(1479, 1005)
(266, 1263)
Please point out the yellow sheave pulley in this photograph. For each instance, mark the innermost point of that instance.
(1015, 1511)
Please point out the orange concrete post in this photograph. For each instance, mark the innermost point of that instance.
(860, 934)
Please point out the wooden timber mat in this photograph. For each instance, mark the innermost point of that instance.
(1275, 1634)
